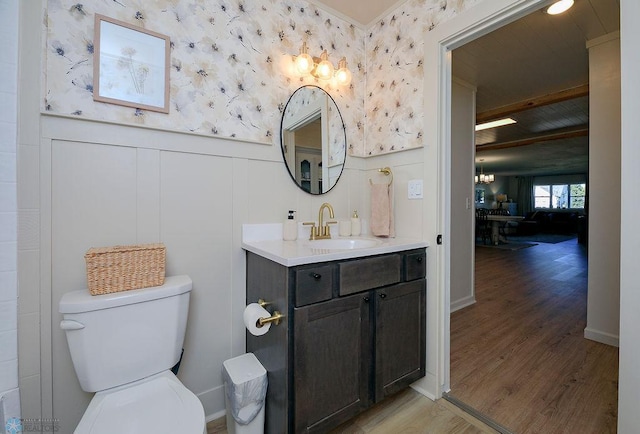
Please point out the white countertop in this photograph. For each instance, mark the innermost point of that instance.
(266, 240)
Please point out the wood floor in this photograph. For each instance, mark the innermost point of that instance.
(519, 356)
(406, 412)
(410, 412)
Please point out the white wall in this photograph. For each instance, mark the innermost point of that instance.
(133, 185)
(9, 395)
(31, 271)
(603, 301)
(423, 218)
(85, 183)
(124, 185)
(629, 380)
(463, 114)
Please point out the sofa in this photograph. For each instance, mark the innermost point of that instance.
(550, 222)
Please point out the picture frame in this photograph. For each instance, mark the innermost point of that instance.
(130, 65)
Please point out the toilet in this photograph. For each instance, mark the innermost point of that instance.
(123, 346)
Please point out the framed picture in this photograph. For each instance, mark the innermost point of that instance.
(130, 66)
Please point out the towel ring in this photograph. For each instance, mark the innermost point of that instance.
(387, 171)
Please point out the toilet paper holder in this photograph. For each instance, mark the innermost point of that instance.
(274, 318)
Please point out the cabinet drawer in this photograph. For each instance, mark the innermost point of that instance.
(415, 265)
(313, 284)
(369, 273)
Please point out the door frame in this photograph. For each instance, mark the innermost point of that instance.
(473, 23)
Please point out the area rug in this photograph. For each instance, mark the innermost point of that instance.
(507, 246)
(541, 238)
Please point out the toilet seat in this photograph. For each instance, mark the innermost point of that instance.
(157, 404)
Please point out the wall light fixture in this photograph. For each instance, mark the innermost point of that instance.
(321, 67)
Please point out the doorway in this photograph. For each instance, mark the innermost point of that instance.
(446, 45)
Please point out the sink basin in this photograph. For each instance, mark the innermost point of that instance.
(343, 243)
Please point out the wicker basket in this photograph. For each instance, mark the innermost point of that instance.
(121, 268)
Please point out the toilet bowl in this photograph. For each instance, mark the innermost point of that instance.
(154, 405)
(123, 346)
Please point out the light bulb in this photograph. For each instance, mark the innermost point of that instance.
(559, 7)
(343, 75)
(324, 70)
(304, 62)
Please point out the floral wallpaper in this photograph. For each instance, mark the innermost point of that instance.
(337, 148)
(232, 70)
(394, 96)
(230, 67)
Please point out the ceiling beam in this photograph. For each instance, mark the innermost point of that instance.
(579, 131)
(552, 98)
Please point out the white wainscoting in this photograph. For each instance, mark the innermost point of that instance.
(106, 184)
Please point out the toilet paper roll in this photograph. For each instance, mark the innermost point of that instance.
(252, 313)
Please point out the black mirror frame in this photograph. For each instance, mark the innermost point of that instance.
(344, 131)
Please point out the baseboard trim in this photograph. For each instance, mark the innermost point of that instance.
(475, 413)
(462, 303)
(423, 391)
(426, 386)
(602, 337)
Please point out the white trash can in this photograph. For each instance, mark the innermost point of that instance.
(245, 389)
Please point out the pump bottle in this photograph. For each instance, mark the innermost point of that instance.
(290, 228)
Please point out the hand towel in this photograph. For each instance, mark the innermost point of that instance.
(382, 224)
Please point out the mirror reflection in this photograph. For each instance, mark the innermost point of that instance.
(313, 139)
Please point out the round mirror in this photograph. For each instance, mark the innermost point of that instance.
(313, 139)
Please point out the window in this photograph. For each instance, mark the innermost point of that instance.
(559, 195)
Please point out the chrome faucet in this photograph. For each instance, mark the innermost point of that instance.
(321, 232)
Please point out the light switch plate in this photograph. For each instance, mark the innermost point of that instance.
(415, 189)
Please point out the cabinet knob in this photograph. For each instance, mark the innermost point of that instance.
(419, 259)
(366, 299)
(383, 295)
(315, 276)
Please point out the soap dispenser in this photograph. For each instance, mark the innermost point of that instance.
(355, 224)
(290, 228)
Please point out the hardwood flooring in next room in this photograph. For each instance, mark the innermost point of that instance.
(518, 354)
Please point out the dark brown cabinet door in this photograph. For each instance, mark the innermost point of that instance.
(332, 362)
(399, 337)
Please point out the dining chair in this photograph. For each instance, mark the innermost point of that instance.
(483, 227)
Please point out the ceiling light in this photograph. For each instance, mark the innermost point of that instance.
(494, 124)
(484, 178)
(559, 7)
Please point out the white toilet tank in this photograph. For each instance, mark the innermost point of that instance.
(125, 336)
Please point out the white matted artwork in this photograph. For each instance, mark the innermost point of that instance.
(131, 65)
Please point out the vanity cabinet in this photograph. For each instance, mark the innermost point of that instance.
(332, 362)
(354, 333)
